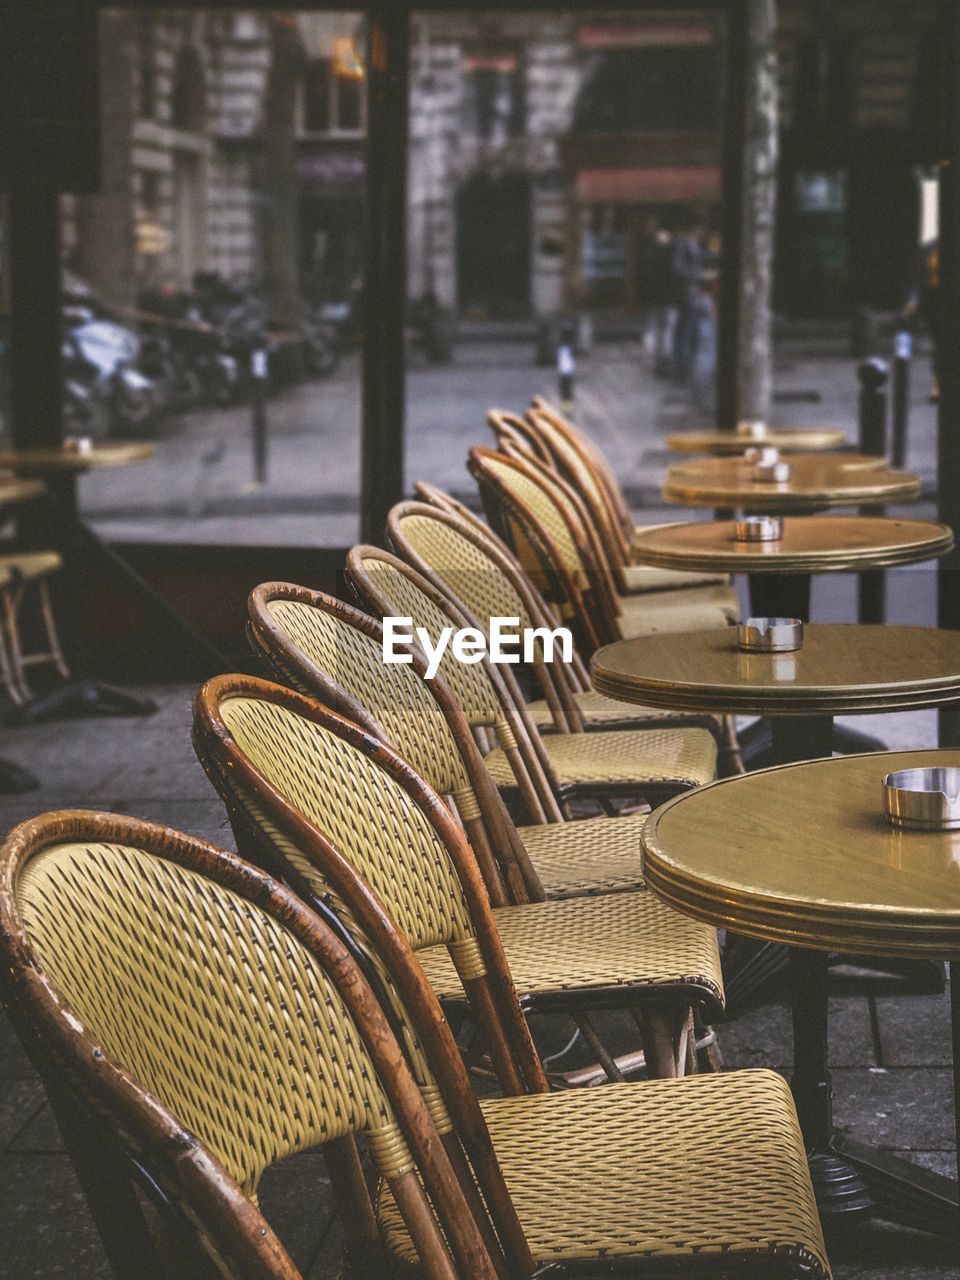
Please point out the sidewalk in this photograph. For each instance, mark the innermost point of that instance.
(890, 1057)
(199, 487)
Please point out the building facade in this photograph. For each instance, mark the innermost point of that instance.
(543, 149)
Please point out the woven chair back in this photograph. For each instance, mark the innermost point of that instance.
(471, 571)
(306, 637)
(487, 694)
(515, 435)
(590, 452)
(551, 542)
(370, 819)
(358, 832)
(212, 1019)
(330, 651)
(585, 480)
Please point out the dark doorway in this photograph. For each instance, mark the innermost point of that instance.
(493, 246)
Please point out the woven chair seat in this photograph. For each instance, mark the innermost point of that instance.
(591, 855)
(626, 940)
(699, 609)
(661, 1169)
(29, 565)
(640, 578)
(596, 708)
(667, 757)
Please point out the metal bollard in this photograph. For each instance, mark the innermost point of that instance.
(900, 395)
(872, 373)
(259, 372)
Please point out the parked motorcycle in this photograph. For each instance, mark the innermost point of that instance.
(104, 390)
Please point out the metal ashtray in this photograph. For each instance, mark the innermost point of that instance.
(770, 635)
(758, 529)
(925, 799)
(753, 430)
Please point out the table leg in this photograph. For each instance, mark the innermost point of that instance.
(852, 1180)
(780, 595)
(839, 1189)
(800, 738)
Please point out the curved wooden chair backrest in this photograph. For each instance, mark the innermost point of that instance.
(334, 653)
(212, 1024)
(549, 541)
(515, 436)
(485, 582)
(582, 475)
(434, 496)
(591, 453)
(487, 694)
(356, 830)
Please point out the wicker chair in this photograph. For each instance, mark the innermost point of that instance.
(324, 648)
(557, 439)
(609, 767)
(195, 1022)
(692, 1179)
(22, 574)
(485, 579)
(337, 810)
(536, 516)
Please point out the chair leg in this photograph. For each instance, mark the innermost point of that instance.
(662, 1026)
(8, 674)
(730, 756)
(54, 647)
(12, 600)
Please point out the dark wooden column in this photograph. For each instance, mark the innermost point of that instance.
(731, 260)
(948, 440)
(36, 406)
(385, 280)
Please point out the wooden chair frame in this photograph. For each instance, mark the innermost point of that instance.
(145, 1142)
(493, 998)
(560, 682)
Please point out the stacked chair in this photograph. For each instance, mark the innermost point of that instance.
(559, 547)
(412, 849)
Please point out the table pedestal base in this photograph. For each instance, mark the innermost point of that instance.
(84, 698)
(851, 1180)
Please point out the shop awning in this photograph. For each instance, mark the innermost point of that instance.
(652, 184)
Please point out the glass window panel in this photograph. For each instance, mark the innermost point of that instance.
(560, 164)
(229, 223)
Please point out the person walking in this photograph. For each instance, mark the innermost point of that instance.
(686, 268)
(653, 284)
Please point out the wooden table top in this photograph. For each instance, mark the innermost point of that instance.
(810, 544)
(15, 489)
(818, 480)
(802, 854)
(41, 461)
(798, 439)
(841, 668)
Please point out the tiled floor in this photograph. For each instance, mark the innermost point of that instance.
(891, 1061)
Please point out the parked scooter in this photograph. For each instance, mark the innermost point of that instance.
(103, 385)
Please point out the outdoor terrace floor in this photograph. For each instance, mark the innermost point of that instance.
(890, 1056)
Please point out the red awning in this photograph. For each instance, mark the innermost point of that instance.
(653, 184)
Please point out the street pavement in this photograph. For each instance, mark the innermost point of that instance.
(201, 488)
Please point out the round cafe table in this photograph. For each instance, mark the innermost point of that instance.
(817, 481)
(801, 855)
(841, 669)
(792, 439)
(780, 570)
